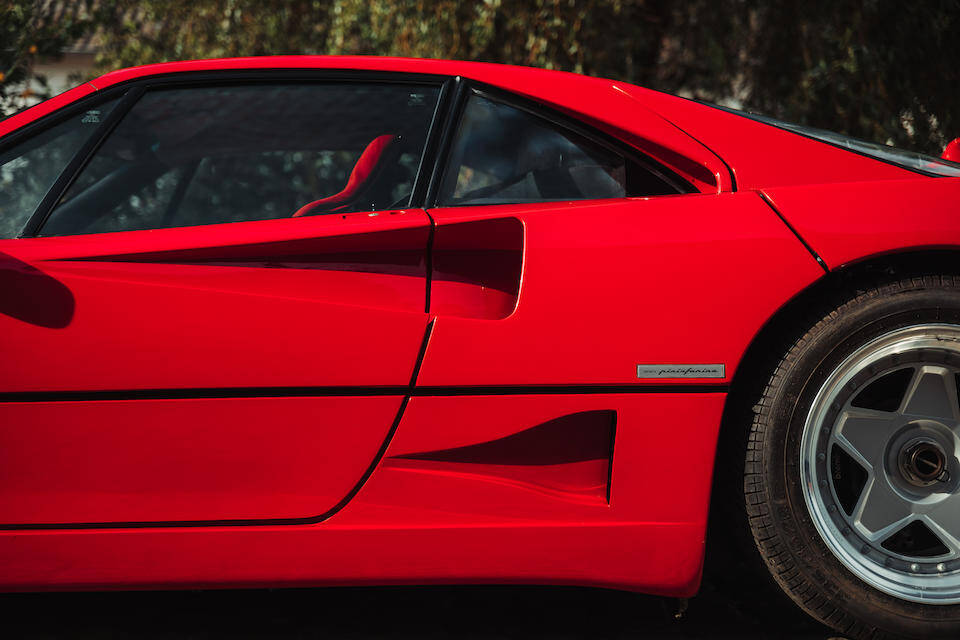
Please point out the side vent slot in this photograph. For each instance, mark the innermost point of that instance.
(569, 457)
(476, 268)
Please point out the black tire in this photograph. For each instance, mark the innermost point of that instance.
(783, 531)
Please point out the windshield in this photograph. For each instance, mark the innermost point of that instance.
(911, 160)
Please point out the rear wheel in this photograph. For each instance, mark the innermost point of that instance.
(852, 478)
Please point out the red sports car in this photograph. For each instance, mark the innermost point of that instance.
(319, 320)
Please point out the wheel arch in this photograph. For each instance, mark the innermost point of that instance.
(793, 318)
(727, 519)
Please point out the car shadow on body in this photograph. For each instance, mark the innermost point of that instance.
(30, 295)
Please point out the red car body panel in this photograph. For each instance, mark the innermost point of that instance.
(420, 396)
(763, 156)
(870, 218)
(409, 526)
(473, 487)
(573, 323)
(185, 460)
(185, 301)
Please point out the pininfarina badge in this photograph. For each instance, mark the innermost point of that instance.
(680, 370)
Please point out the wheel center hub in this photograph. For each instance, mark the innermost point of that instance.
(923, 462)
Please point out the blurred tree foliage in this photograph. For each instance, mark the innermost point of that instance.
(883, 70)
(31, 30)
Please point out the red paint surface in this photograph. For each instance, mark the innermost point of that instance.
(476, 268)
(550, 294)
(870, 218)
(609, 285)
(179, 460)
(141, 311)
(404, 527)
(659, 558)
(638, 463)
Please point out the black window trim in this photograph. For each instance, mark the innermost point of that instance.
(132, 90)
(459, 92)
(79, 161)
(555, 117)
(455, 91)
(56, 118)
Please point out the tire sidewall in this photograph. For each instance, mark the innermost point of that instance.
(844, 331)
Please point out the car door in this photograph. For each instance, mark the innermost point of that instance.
(218, 316)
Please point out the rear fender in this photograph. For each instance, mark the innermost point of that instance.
(847, 223)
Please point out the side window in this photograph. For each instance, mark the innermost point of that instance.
(503, 154)
(29, 169)
(208, 155)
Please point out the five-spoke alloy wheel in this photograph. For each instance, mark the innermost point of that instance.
(852, 468)
(879, 463)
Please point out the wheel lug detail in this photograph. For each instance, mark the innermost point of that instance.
(941, 567)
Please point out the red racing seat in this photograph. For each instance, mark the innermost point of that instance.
(359, 177)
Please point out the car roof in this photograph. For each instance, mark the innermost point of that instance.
(488, 72)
